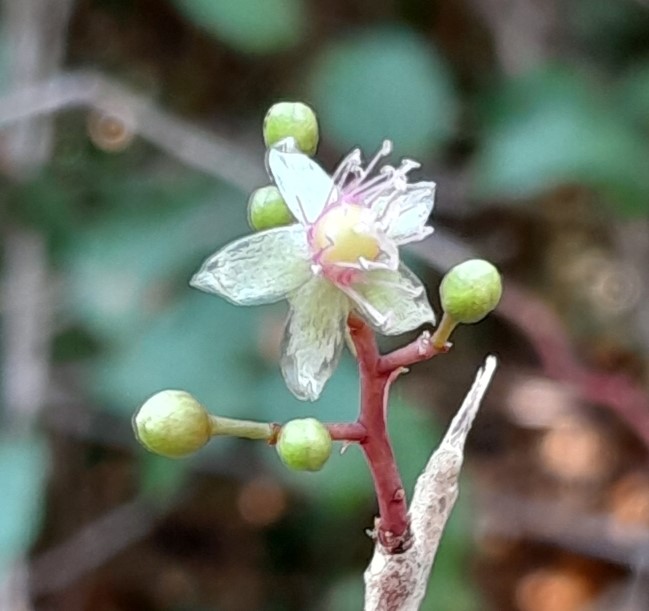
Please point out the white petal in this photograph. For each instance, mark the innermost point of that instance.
(392, 302)
(406, 215)
(260, 268)
(314, 337)
(304, 185)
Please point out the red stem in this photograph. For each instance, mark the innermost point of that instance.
(376, 374)
(422, 349)
(347, 431)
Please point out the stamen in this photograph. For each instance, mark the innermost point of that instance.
(358, 188)
(408, 165)
(384, 151)
(348, 164)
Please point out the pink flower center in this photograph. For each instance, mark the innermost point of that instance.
(343, 234)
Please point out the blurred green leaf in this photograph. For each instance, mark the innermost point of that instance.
(551, 128)
(23, 468)
(385, 83)
(633, 95)
(252, 26)
(346, 593)
(201, 344)
(120, 272)
(44, 203)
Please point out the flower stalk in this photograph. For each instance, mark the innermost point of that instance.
(392, 527)
(443, 332)
(246, 429)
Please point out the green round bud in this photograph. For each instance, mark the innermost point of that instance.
(292, 119)
(304, 444)
(267, 209)
(172, 423)
(471, 290)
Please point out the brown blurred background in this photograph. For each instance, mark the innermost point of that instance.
(130, 137)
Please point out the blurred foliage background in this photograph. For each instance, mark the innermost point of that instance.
(130, 138)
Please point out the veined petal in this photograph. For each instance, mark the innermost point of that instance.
(404, 216)
(392, 302)
(314, 337)
(304, 185)
(259, 268)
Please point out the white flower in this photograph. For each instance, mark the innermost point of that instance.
(340, 256)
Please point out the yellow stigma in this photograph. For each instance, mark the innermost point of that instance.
(342, 235)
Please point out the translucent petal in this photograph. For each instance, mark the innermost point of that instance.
(405, 215)
(392, 302)
(260, 268)
(304, 185)
(314, 337)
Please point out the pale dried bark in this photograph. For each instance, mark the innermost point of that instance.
(397, 582)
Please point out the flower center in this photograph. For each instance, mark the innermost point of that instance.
(343, 235)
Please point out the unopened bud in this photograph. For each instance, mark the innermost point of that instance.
(172, 423)
(470, 290)
(267, 209)
(304, 444)
(292, 119)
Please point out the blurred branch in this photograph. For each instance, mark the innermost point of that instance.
(92, 546)
(596, 535)
(26, 327)
(180, 139)
(34, 34)
(545, 331)
(522, 31)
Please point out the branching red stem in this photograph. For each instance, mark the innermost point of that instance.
(376, 374)
(421, 349)
(347, 431)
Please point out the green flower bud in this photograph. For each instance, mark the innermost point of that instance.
(172, 423)
(292, 119)
(267, 209)
(470, 290)
(304, 444)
